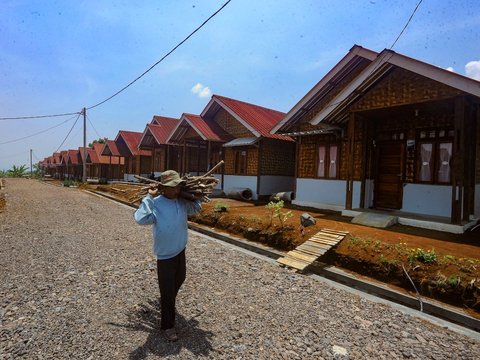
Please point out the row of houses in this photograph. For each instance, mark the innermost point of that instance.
(379, 131)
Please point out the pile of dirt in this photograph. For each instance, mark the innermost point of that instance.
(443, 266)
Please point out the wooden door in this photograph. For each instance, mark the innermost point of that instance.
(388, 191)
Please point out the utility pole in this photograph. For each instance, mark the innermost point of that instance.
(84, 176)
(31, 169)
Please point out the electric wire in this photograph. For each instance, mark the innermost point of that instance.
(37, 133)
(37, 116)
(164, 57)
(380, 60)
(132, 82)
(88, 118)
(78, 116)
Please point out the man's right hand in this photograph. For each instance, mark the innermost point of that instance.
(153, 190)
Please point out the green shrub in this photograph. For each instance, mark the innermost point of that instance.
(425, 256)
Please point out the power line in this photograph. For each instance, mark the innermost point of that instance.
(129, 84)
(78, 116)
(165, 56)
(406, 25)
(88, 118)
(37, 116)
(37, 133)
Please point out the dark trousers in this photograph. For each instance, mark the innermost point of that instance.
(171, 275)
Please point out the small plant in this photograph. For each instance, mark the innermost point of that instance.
(453, 280)
(275, 208)
(220, 207)
(389, 264)
(425, 256)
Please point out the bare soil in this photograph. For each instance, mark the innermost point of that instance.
(443, 266)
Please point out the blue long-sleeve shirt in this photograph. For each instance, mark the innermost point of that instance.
(169, 220)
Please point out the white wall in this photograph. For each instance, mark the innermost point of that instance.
(270, 184)
(325, 194)
(236, 182)
(427, 199)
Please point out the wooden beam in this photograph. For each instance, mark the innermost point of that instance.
(458, 160)
(350, 160)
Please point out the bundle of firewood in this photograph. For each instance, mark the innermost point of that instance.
(194, 187)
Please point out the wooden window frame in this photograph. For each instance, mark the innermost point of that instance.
(328, 145)
(436, 140)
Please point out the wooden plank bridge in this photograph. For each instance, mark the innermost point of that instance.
(306, 253)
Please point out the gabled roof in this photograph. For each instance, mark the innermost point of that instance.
(257, 119)
(357, 58)
(158, 131)
(73, 157)
(129, 146)
(57, 158)
(371, 75)
(63, 157)
(110, 148)
(207, 129)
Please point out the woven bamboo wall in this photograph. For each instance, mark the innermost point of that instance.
(307, 155)
(159, 164)
(231, 125)
(252, 161)
(303, 124)
(477, 157)
(278, 157)
(402, 87)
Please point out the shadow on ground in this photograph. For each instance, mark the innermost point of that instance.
(146, 318)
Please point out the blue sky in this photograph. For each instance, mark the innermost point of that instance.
(61, 56)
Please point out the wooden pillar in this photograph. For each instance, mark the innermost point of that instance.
(184, 157)
(298, 142)
(209, 154)
(364, 160)
(458, 159)
(167, 158)
(259, 165)
(198, 157)
(350, 161)
(469, 163)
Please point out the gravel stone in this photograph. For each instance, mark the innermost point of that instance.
(78, 281)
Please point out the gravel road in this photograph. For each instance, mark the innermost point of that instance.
(78, 281)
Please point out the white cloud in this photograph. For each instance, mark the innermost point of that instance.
(201, 91)
(450, 69)
(472, 69)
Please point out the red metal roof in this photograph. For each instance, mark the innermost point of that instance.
(73, 157)
(57, 158)
(131, 139)
(111, 145)
(160, 130)
(255, 117)
(208, 128)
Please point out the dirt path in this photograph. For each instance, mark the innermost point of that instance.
(78, 281)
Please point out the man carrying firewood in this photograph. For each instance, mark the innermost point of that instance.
(168, 214)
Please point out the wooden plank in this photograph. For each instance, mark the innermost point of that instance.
(314, 249)
(321, 237)
(311, 252)
(302, 256)
(296, 264)
(324, 242)
(335, 232)
(316, 245)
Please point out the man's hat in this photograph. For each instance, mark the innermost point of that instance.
(170, 178)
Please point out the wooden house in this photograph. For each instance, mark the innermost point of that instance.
(137, 162)
(196, 145)
(388, 132)
(154, 138)
(238, 133)
(116, 162)
(74, 165)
